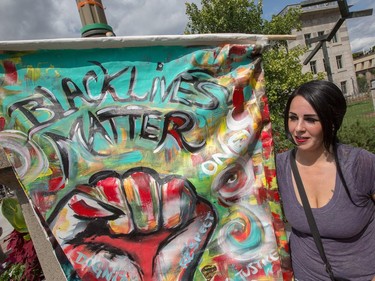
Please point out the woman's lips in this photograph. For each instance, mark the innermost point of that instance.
(300, 140)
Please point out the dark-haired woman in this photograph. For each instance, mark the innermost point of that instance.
(339, 181)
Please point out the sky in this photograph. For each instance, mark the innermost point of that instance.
(46, 19)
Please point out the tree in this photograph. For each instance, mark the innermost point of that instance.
(362, 84)
(283, 24)
(282, 67)
(283, 72)
(224, 16)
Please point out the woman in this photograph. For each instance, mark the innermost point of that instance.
(345, 217)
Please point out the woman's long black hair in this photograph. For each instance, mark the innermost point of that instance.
(329, 103)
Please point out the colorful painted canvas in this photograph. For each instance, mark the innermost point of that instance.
(147, 162)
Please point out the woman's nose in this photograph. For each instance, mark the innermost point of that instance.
(300, 126)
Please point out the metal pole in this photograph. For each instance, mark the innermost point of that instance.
(327, 63)
(94, 22)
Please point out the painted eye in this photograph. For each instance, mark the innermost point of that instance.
(233, 183)
(232, 178)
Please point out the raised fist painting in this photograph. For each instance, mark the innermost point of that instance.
(149, 162)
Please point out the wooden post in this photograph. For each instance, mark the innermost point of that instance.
(94, 22)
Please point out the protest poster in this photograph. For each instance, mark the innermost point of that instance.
(147, 158)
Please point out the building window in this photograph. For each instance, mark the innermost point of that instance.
(339, 62)
(334, 38)
(320, 33)
(343, 87)
(307, 36)
(313, 67)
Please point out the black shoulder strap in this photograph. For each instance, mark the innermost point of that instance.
(309, 214)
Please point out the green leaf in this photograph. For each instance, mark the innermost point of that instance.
(11, 210)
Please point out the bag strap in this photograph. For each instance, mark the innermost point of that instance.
(309, 215)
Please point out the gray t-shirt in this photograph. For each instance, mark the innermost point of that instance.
(347, 231)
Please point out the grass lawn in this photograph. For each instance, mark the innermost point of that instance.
(362, 111)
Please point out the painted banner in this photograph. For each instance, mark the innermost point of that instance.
(149, 162)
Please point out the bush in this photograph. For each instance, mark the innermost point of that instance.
(281, 143)
(13, 273)
(358, 134)
(21, 263)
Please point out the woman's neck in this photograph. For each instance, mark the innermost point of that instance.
(316, 157)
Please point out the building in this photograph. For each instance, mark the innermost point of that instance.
(364, 64)
(319, 20)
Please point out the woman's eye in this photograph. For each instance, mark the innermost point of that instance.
(293, 118)
(311, 120)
